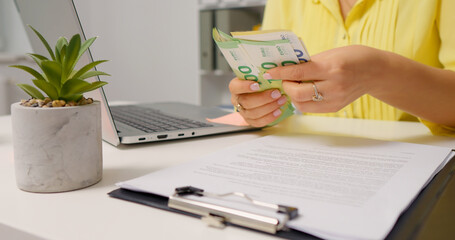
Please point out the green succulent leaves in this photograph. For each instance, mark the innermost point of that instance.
(58, 78)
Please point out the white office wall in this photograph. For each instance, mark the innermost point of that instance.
(152, 45)
(13, 39)
(13, 45)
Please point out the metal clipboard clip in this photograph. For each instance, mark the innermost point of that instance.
(217, 216)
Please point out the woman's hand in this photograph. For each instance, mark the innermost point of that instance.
(340, 75)
(257, 108)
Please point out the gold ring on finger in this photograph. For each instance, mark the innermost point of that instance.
(239, 106)
(317, 96)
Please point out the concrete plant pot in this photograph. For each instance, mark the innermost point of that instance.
(57, 149)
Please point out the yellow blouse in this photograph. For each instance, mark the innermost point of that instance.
(422, 30)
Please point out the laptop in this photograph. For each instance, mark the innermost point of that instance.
(125, 124)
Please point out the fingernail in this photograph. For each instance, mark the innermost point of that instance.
(276, 94)
(282, 100)
(267, 76)
(254, 86)
(277, 113)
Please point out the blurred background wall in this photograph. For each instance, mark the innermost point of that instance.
(158, 50)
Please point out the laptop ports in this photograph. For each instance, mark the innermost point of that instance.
(163, 136)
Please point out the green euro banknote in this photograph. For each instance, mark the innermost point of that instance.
(251, 54)
(271, 35)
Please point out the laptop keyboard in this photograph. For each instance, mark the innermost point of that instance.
(151, 120)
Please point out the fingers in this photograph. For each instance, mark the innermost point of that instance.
(246, 93)
(303, 96)
(261, 108)
(257, 108)
(301, 72)
(298, 91)
(255, 100)
(237, 86)
(265, 114)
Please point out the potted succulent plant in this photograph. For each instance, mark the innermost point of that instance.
(57, 133)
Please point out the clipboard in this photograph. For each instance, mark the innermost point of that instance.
(408, 225)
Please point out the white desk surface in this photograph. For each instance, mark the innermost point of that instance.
(91, 214)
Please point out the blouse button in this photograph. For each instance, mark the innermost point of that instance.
(315, 1)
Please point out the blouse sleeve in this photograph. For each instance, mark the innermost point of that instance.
(445, 22)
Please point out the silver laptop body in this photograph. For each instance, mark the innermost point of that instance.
(55, 18)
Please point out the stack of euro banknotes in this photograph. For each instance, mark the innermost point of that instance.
(251, 54)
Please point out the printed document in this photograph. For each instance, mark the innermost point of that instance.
(344, 188)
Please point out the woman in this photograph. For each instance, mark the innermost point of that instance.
(371, 59)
